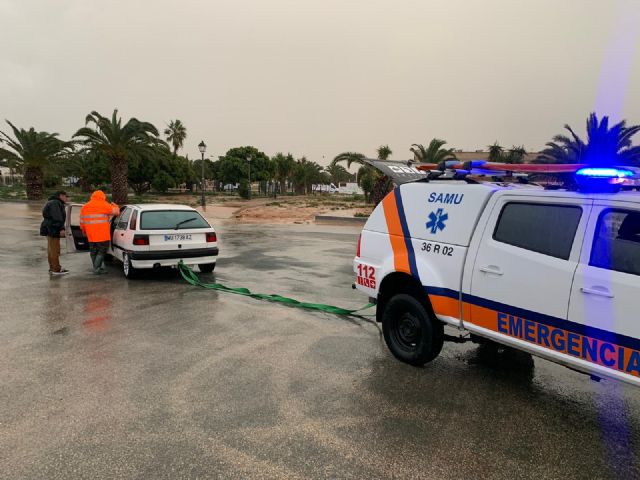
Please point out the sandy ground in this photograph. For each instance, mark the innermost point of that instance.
(292, 210)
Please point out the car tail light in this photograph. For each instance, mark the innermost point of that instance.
(358, 250)
(211, 237)
(141, 239)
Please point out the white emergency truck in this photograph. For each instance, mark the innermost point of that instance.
(555, 273)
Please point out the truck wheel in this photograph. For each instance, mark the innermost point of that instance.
(409, 331)
(207, 267)
(127, 268)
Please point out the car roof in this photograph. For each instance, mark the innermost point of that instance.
(161, 206)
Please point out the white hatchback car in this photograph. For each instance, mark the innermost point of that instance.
(152, 236)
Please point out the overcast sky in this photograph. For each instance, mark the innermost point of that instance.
(318, 77)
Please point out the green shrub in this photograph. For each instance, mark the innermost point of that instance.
(162, 182)
(243, 189)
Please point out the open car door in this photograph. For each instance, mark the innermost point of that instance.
(76, 241)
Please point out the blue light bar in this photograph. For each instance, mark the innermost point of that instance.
(597, 172)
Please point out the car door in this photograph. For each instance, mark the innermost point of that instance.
(606, 289)
(521, 279)
(76, 240)
(120, 237)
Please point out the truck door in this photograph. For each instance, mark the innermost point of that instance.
(521, 279)
(606, 288)
(75, 239)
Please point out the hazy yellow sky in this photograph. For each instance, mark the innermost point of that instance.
(317, 77)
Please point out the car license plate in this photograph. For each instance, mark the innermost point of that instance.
(177, 236)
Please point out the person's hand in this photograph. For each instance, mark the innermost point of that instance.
(63, 234)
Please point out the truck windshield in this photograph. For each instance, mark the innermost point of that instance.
(171, 220)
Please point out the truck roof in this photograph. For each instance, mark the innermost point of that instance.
(447, 210)
(621, 196)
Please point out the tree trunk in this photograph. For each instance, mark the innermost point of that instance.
(85, 185)
(119, 180)
(34, 180)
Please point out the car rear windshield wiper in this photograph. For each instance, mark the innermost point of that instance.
(185, 221)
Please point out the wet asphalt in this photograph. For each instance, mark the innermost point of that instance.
(101, 377)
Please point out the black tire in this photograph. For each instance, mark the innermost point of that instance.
(207, 267)
(410, 332)
(127, 268)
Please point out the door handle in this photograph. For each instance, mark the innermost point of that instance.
(492, 270)
(599, 291)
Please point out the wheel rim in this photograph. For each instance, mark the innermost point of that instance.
(125, 264)
(407, 331)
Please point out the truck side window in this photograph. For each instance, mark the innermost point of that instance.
(616, 245)
(546, 229)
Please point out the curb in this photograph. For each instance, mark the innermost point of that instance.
(342, 220)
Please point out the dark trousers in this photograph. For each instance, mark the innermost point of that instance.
(98, 247)
(97, 251)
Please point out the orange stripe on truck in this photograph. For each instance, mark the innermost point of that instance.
(396, 236)
(445, 306)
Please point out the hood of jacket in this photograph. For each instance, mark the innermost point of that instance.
(55, 197)
(98, 195)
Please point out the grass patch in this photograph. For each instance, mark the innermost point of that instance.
(13, 192)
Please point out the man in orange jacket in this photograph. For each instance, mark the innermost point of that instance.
(95, 224)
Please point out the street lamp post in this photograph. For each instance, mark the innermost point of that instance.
(203, 148)
(249, 160)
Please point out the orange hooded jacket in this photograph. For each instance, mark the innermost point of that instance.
(94, 217)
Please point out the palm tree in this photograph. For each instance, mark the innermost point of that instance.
(118, 142)
(32, 152)
(90, 168)
(563, 149)
(374, 184)
(305, 174)
(515, 155)
(350, 158)
(337, 173)
(384, 152)
(604, 145)
(495, 152)
(434, 153)
(284, 168)
(176, 134)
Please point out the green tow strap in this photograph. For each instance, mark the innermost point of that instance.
(190, 276)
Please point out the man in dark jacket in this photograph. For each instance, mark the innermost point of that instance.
(52, 227)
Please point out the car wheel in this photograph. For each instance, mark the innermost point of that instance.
(207, 267)
(411, 334)
(127, 268)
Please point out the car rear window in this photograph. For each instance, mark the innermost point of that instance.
(546, 229)
(171, 220)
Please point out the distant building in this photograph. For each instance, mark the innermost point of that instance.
(9, 177)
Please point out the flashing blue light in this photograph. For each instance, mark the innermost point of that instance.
(595, 172)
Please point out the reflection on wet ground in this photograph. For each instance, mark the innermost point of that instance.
(107, 378)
